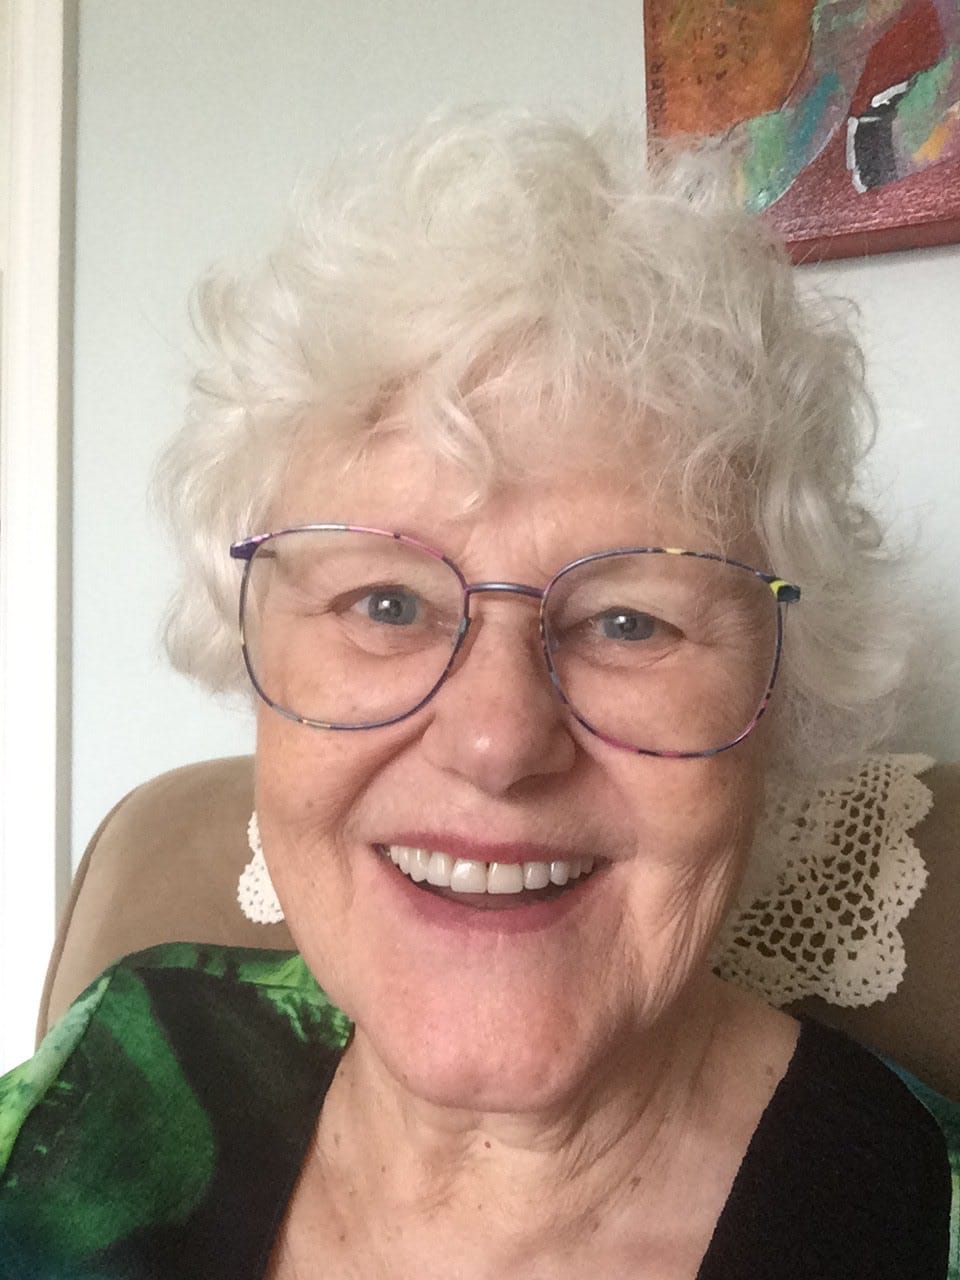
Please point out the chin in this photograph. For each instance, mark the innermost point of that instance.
(529, 1078)
(456, 1049)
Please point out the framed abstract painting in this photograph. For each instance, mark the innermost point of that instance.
(843, 115)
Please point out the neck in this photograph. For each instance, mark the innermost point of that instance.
(545, 1175)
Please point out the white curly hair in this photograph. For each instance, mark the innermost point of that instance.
(492, 255)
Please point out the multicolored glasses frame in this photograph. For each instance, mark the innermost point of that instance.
(784, 593)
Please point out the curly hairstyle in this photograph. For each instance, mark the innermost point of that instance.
(494, 256)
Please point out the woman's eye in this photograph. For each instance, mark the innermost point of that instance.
(627, 624)
(392, 605)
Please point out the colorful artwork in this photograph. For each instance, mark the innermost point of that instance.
(843, 115)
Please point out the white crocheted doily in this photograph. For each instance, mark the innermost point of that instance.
(832, 875)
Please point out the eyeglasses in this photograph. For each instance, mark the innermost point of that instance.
(657, 650)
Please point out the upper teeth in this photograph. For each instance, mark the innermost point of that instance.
(464, 875)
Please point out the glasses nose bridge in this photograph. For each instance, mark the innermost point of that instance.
(504, 588)
(468, 619)
(522, 589)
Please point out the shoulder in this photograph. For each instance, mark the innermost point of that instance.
(144, 997)
(853, 1171)
(152, 1088)
(875, 1107)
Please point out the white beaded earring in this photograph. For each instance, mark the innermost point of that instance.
(255, 892)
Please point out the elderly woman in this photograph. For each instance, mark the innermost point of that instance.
(514, 459)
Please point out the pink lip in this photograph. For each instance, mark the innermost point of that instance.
(462, 918)
(481, 850)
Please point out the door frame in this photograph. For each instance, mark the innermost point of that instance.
(35, 507)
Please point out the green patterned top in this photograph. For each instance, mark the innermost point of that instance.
(159, 1131)
(179, 1077)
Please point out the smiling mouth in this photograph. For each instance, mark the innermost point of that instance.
(488, 885)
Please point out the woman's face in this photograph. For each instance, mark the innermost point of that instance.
(485, 1003)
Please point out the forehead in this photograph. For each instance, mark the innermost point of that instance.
(564, 508)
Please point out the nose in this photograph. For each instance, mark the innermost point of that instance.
(497, 722)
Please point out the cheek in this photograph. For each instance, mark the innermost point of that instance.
(313, 796)
(305, 796)
(695, 821)
(307, 782)
(684, 809)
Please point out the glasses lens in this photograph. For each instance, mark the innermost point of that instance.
(348, 628)
(662, 652)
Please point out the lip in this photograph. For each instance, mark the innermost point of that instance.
(461, 918)
(484, 850)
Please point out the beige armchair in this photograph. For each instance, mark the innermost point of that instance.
(164, 865)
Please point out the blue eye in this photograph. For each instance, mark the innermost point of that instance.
(392, 605)
(626, 624)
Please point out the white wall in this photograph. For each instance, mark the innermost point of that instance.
(910, 317)
(194, 121)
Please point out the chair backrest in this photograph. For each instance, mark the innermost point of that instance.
(164, 864)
